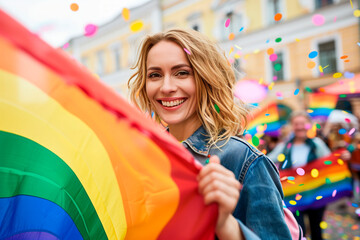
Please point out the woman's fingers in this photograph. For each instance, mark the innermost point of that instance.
(216, 180)
(229, 190)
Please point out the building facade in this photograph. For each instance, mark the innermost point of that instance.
(254, 34)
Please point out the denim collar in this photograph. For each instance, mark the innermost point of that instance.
(198, 141)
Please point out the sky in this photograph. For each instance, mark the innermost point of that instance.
(56, 23)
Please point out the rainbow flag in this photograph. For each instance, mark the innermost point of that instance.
(267, 116)
(318, 183)
(321, 105)
(79, 162)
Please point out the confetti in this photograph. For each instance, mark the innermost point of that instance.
(335, 19)
(267, 41)
(358, 43)
(351, 131)
(242, 28)
(308, 89)
(313, 54)
(351, 4)
(357, 13)
(292, 202)
(337, 75)
(340, 162)
(227, 23)
(270, 51)
(296, 92)
(281, 157)
(342, 131)
(323, 225)
(342, 95)
(278, 17)
(255, 141)
(291, 182)
(231, 36)
(278, 39)
(318, 126)
(267, 114)
(349, 75)
(271, 85)
(319, 197)
(297, 213)
(296, 39)
(327, 162)
(318, 19)
(314, 173)
(136, 26)
(310, 111)
(277, 67)
(125, 14)
(320, 69)
(74, 7)
(273, 57)
(274, 78)
(327, 181)
(298, 197)
(187, 51)
(207, 161)
(300, 171)
(343, 57)
(66, 45)
(311, 64)
(238, 47)
(217, 108)
(90, 30)
(354, 205)
(291, 178)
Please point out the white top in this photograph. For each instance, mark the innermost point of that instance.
(321, 150)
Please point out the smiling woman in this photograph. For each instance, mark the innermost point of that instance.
(183, 78)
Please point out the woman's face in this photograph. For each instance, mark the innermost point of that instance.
(170, 84)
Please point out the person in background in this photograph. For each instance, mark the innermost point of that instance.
(300, 150)
(183, 78)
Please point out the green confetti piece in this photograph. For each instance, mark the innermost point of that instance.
(342, 95)
(327, 181)
(255, 141)
(278, 40)
(301, 185)
(318, 126)
(277, 67)
(297, 213)
(328, 162)
(207, 161)
(308, 89)
(217, 108)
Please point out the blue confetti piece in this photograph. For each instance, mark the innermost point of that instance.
(284, 164)
(358, 44)
(241, 29)
(267, 114)
(355, 205)
(342, 131)
(313, 54)
(349, 75)
(267, 41)
(296, 92)
(291, 178)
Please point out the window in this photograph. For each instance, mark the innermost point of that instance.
(100, 56)
(323, 3)
(195, 27)
(116, 55)
(327, 57)
(278, 67)
(273, 7)
(194, 21)
(236, 23)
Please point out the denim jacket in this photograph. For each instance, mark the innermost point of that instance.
(260, 208)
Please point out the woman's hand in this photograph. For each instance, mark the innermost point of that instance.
(218, 184)
(345, 155)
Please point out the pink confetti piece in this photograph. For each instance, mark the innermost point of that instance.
(66, 45)
(334, 19)
(227, 23)
(351, 131)
(273, 57)
(318, 19)
(334, 193)
(90, 30)
(187, 51)
(300, 171)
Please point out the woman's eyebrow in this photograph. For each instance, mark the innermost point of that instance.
(173, 68)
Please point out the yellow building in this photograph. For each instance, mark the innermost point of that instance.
(256, 33)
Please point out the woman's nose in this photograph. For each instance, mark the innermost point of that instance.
(168, 85)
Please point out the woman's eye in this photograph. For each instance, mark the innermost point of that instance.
(154, 75)
(182, 73)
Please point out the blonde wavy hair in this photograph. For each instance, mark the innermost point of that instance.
(214, 82)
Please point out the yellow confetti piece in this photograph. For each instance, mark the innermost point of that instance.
(323, 225)
(292, 202)
(319, 197)
(351, 4)
(261, 81)
(246, 56)
(309, 111)
(340, 161)
(256, 51)
(237, 56)
(314, 173)
(298, 40)
(231, 50)
(126, 14)
(281, 157)
(264, 151)
(238, 47)
(321, 68)
(326, 66)
(291, 182)
(298, 197)
(357, 13)
(337, 75)
(271, 85)
(136, 25)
